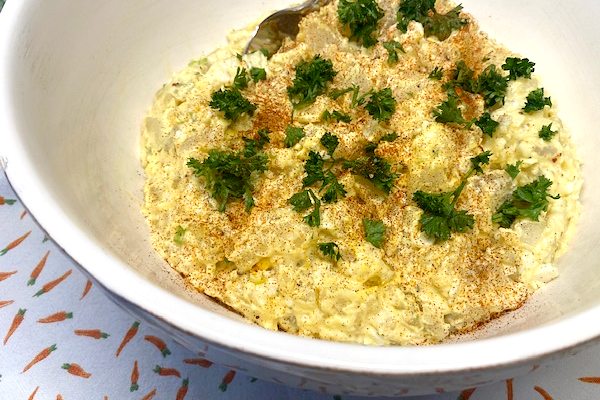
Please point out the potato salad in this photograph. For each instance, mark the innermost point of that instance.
(391, 176)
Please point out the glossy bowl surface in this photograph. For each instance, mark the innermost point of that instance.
(76, 78)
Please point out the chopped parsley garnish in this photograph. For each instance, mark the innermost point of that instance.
(258, 74)
(413, 10)
(315, 171)
(527, 201)
(179, 233)
(514, 170)
(442, 25)
(360, 17)
(337, 93)
(330, 142)
(546, 133)
(434, 23)
(293, 135)
(253, 146)
(463, 77)
(448, 112)
(487, 125)
(381, 104)
(536, 101)
(313, 168)
(440, 218)
(332, 189)
(436, 74)
(304, 200)
(392, 48)
(374, 232)
(312, 78)
(389, 137)
(335, 115)
(374, 168)
(230, 175)
(321, 171)
(232, 103)
(330, 250)
(518, 68)
(492, 86)
(241, 79)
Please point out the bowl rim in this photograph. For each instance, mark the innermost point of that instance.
(113, 274)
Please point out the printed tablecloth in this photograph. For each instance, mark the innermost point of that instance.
(63, 339)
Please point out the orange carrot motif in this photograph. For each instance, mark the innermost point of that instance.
(42, 355)
(23, 214)
(183, 389)
(14, 244)
(37, 270)
(59, 397)
(160, 345)
(509, 389)
(198, 361)
(93, 333)
(57, 317)
(8, 202)
(128, 336)
(466, 394)
(150, 395)
(4, 303)
(32, 395)
(52, 284)
(86, 289)
(6, 275)
(17, 320)
(590, 379)
(227, 379)
(542, 392)
(135, 375)
(75, 369)
(166, 371)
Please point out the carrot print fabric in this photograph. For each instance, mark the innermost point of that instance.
(62, 338)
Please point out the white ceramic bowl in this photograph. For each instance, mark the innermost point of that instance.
(76, 78)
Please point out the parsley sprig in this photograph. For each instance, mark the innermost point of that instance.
(360, 17)
(374, 168)
(536, 101)
(232, 103)
(312, 78)
(293, 135)
(381, 104)
(304, 200)
(434, 23)
(231, 175)
(374, 232)
(527, 201)
(335, 115)
(392, 48)
(518, 68)
(321, 171)
(448, 112)
(436, 74)
(487, 125)
(546, 133)
(330, 250)
(513, 170)
(440, 218)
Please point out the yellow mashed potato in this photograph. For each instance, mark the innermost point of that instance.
(266, 265)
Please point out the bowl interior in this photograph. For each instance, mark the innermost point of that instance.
(81, 75)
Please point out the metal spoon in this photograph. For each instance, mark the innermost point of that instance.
(271, 32)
